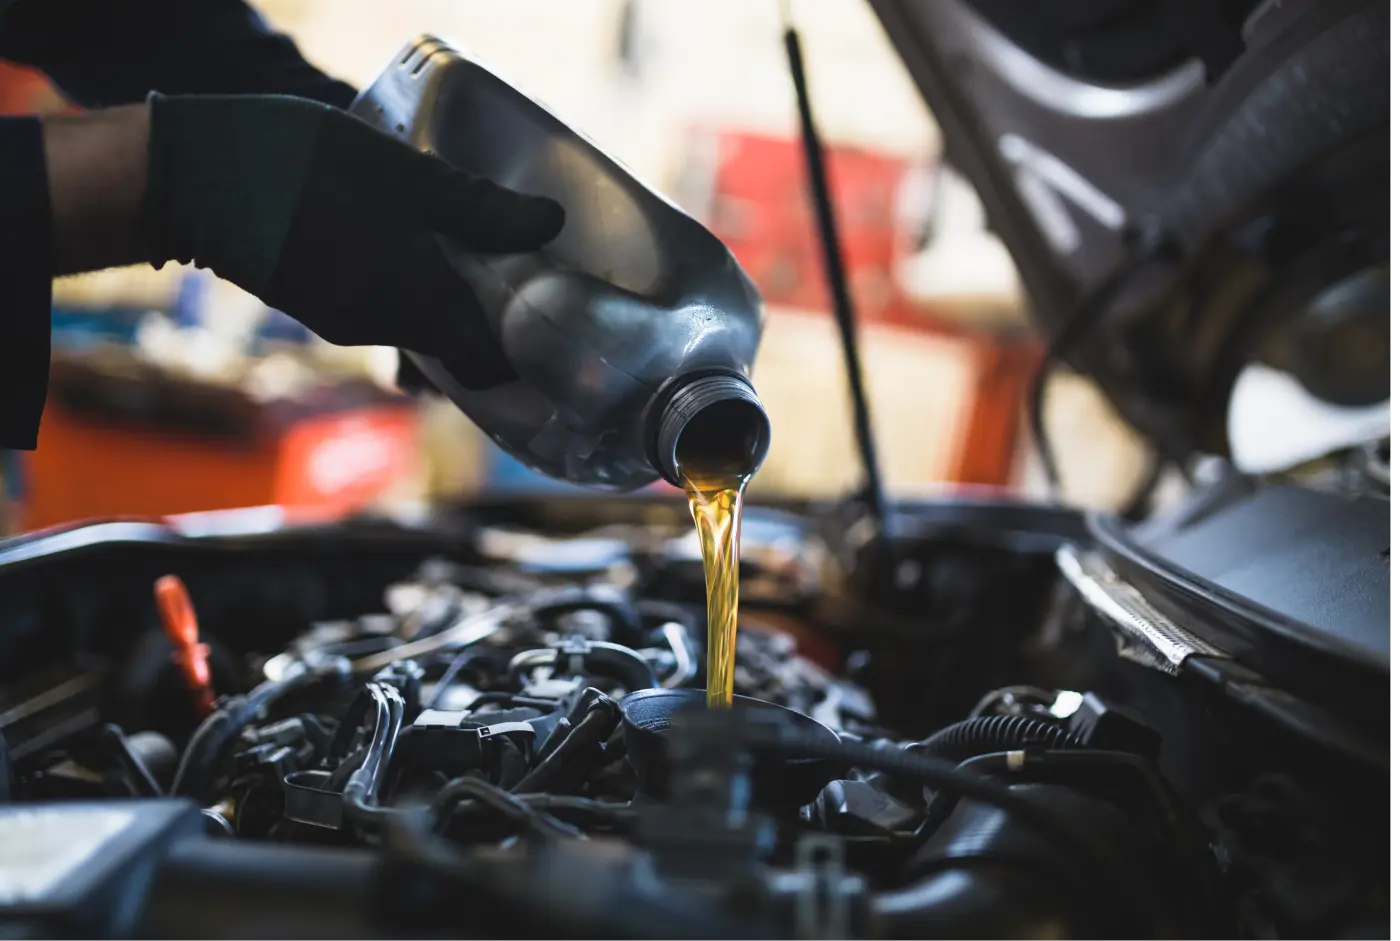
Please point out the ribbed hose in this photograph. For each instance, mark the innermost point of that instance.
(986, 734)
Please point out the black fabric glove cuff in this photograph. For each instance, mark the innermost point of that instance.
(225, 175)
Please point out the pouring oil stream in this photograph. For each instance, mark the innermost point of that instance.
(718, 435)
(716, 506)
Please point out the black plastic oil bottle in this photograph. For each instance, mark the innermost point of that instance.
(626, 330)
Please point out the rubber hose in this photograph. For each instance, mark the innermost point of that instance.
(216, 731)
(1100, 860)
(361, 794)
(350, 723)
(590, 733)
(503, 802)
(336, 782)
(221, 727)
(985, 734)
(620, 663)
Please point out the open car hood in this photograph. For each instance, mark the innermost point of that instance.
(1180, 185)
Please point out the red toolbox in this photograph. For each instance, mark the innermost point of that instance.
(751, 189)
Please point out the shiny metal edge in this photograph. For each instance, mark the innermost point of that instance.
(1149, 637)
(36, 545)
(1065, 94)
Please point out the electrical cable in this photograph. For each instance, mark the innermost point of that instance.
(1100, 859)
(687, 664)
(458, 664)
(467, 630)
(1150, 245)
(1139, 503)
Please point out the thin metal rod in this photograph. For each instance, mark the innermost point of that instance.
(820, 189)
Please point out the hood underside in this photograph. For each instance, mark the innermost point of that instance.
(1186, 188)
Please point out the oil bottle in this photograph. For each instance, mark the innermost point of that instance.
(633, 322)
(632, 333)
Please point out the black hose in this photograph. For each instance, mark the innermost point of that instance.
(587, 810)
(590, 733)
(1098, 858)
(970, 737)
(1178, 817)
(510, 806)
(567, 808)
(598, 899)
(220, 727)
(624, 621)
(336, 782)
(361, 794)
(344, 737)
(620, 663)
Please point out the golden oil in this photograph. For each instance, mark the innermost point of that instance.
(716, 504)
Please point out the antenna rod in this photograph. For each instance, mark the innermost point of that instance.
(874, 494)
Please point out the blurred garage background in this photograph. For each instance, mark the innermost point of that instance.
(174, 392)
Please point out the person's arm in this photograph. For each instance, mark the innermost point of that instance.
(102, 53)
(96, 169)
(24, 281)
(71, 192)
(313, 211)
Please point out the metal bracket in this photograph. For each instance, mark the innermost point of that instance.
(823, 902)
(1145, 635)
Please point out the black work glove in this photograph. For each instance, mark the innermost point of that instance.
(325, 218)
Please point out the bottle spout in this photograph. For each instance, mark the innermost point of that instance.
(712, 427)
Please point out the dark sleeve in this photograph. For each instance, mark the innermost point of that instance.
(24, 281)
(109, 52)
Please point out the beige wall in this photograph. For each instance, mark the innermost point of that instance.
(717, 61)
(1099, 457)
(918, 391)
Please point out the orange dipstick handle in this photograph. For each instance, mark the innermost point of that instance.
(177, 617)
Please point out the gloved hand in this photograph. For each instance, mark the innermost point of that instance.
(332, 222)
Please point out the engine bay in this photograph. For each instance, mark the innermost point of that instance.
(487, 725)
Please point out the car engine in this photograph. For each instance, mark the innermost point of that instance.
(484, 727)
(967, 717)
